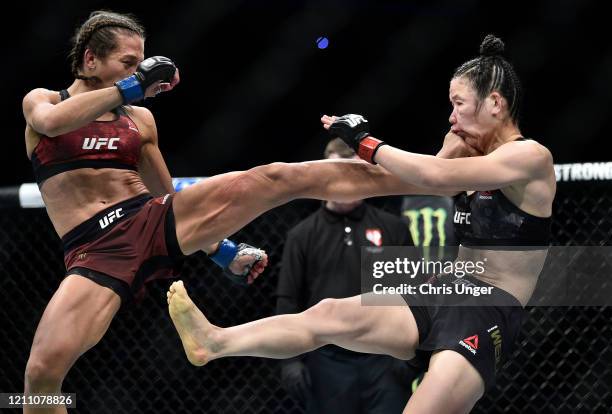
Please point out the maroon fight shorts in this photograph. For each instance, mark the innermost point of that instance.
(126, 245)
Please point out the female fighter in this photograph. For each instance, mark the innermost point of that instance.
(109, 194)
(503, 203)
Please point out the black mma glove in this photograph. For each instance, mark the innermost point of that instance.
(354, 130)
(149, 71)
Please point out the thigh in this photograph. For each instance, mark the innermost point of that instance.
(451, 385)
(217, 207)
(221, 205)
(75, 319)
(383, 329)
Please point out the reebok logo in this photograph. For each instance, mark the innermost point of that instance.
(485, 195)
(470, 343)
(110, 217)
(99, 143)
(462, 217)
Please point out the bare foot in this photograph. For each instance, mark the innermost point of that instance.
(194, 329)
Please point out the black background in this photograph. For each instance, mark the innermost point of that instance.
(254, 84)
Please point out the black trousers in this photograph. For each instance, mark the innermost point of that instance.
(348, 382)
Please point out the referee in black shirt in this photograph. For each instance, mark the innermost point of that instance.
(322, 260)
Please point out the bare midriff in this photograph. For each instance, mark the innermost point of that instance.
(516, 272)
(74, 196)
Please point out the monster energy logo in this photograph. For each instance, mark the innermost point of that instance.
(428, 215)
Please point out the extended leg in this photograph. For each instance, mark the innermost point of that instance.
(346, 322)
(221, 205)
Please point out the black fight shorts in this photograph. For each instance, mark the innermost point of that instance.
(484, 329)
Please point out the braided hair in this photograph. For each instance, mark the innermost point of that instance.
(491, 72)
(99, 34)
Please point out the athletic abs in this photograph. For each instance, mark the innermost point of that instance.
(516, 272)
(508, 240)
(74, 196)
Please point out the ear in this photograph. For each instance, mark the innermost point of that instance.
(89, 60)
(496, 102)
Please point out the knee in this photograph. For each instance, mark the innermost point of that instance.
(44, 372)
(321, 317)
(324, 310)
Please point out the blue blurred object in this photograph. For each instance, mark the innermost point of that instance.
(322, 42)
(181, 182)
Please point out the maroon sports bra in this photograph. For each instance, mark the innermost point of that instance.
(99, 144)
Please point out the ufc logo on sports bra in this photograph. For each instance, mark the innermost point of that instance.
(110, 217)
(99, 143)
(462, 217)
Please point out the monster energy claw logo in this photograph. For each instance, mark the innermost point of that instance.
(428, 215)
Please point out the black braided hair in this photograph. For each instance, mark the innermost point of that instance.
(99, 34)
(491, 72)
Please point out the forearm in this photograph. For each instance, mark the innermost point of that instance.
(78, 111)
(418, 169)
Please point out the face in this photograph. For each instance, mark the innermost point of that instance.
(468, 120)
(118, 64)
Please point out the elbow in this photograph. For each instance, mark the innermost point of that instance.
(48, 126)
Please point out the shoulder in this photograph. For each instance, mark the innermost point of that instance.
(140, 114)
(40, 95)
(42, 92)
(535, 149)
(528, 154)
(144, 120)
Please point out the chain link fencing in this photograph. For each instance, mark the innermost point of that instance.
(563, 362)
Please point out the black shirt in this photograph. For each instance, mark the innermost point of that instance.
(322, 254)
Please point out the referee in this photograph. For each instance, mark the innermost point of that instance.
(321, 260)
